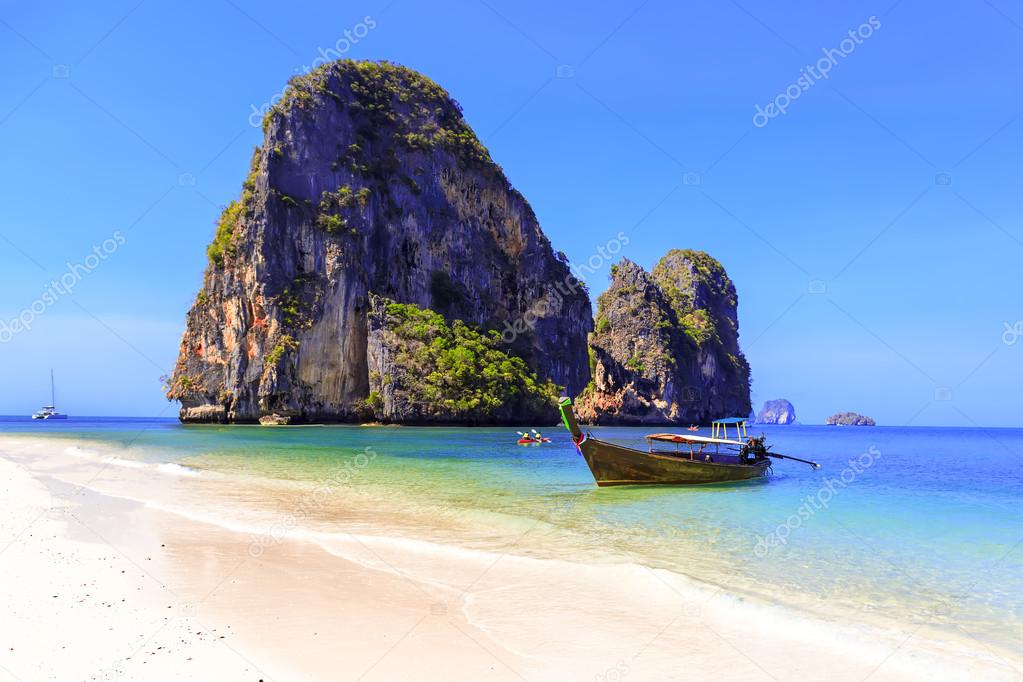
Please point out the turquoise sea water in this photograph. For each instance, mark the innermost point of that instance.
(925, 526)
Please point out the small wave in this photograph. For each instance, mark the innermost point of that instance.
(175, 469)
(130, 463)
(79, 451)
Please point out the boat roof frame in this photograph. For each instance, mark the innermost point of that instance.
(682, 438)
(720, 426)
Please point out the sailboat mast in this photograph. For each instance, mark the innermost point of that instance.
(53, 397)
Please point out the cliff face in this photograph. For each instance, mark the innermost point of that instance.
(666, 346)
(777, 412)
(368, 183)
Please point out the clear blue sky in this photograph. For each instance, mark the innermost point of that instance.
(108, 113)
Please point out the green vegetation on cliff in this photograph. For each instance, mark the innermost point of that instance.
(223, 243)
(334, 204)
(457, 370)
(284, 344)
(223, 240)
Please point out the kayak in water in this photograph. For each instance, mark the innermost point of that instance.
(535, 438)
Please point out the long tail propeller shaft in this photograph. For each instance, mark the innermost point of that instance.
(814, 465)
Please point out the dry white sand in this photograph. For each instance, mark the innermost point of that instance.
(103, 588)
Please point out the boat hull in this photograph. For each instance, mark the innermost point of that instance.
(613, 464)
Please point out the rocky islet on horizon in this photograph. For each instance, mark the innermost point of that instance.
(778, 411)
(849, 419)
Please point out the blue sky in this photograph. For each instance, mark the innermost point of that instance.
(872, 230)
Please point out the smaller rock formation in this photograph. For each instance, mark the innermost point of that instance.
(665, 349)
(778, 411)
(849, 419)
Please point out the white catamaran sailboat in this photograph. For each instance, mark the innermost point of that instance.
(50, 411)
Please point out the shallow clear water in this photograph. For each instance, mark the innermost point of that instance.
(925, 527)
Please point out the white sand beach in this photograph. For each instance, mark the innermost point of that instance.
(101, 587)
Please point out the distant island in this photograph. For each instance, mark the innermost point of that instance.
(778, 411)
(849, 419)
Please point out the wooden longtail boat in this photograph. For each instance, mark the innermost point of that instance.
(693, 459)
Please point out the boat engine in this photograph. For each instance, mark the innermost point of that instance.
(754, 450)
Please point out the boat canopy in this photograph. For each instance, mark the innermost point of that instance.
(721, 426)
(682, 438)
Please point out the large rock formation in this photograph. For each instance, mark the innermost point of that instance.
(666, 346)
(778, 411)
(370, 183)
